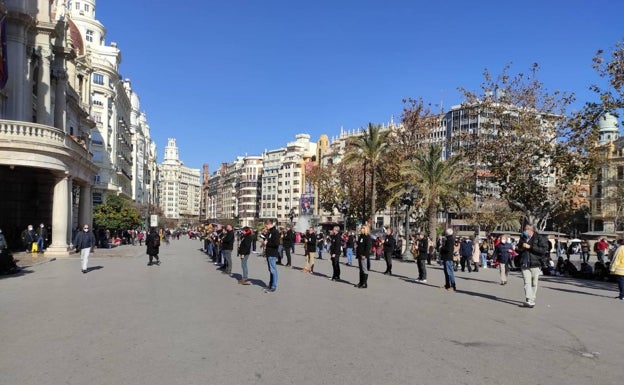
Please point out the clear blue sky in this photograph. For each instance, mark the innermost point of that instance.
(229, 77)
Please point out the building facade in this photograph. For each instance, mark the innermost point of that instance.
(45, 127)
(178, 188)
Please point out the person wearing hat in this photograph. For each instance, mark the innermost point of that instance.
(244, 249)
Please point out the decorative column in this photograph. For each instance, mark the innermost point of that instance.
(44, 98)
(85, 209)
(60, 218)
(60, 102)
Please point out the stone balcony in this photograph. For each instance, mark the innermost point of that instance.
(36, 145)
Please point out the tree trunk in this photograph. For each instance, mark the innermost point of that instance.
(373, 195)
(432, 216)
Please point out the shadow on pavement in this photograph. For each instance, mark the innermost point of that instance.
(578, 292)
(16, 273)
(490, 297)
(582, 283)
(93, 268)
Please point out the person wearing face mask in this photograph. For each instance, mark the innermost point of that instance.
(28, 237)
(84, 242)
(502, 256)
(532, 247)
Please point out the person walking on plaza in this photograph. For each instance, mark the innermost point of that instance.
(227, 245)
(84, 242)
(502, 255)
(42, 238)
(28, 238)
(584, 251)
(532, 247)
(310, 247)
(362, 253)
(389, 244)
(446, 255)
(617, 267)
(320, 243)
(244, 249)
(334, 252)
(465, 253)
(271, 245)
(421, 258)
(152, 242)
(287, 241)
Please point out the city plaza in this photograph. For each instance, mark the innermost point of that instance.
(184, 322)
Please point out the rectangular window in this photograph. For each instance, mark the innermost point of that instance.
(77, 5)
(87, 8)
(620, 172)
(98, 79)
(89, 36)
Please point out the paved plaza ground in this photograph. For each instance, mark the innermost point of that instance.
(186, 323)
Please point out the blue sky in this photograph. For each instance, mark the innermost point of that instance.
(235, 77)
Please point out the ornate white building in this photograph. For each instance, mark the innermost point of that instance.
(179, 189)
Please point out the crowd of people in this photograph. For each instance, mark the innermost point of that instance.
(530, 253)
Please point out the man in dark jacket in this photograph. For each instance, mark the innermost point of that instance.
(271, 245)
(227, 245)
(466, 248)
(389, 244)
(335, 248)
(446, 254)
(532, 247)
(84, 243)
(152, 242)
(421, 257)
(287, 241)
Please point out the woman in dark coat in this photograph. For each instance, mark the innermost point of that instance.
(153, 245)
(364, 246)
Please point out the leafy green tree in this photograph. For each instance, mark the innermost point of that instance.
(368, 149)
(436, 180)
(526, 142)
(116, 214)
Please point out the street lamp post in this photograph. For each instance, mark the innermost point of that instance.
(344, 209)
(408, 201)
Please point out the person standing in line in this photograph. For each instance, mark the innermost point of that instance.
(362, 254)
(320, 242)
(152, 243)
(484, 248)
(334, 252)
(502, 255)
(287, 242)
(389, 244)
(42, 238)
(254, 241)
(244, 249)
(280, 248)
(271, 244)
(476, 254)
(617, 267)
(465, 253)
(350, 246)
(421, 257)
(310, 247)
(227, 245)
(85, 243)
(446, 255)
(532, 247)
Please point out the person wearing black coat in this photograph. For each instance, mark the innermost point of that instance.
(501, 252)
(446, 254)
(244, 249)
(271, 245)
(152, 242)
(335, 248)
(227, 245)
(362, 253)
(532, 248)
(287, 241)
(389, 244)
(421, 257)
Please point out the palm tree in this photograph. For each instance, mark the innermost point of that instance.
(369, 148)
(435, 179)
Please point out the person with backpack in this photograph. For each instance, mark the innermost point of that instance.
(153, 246)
